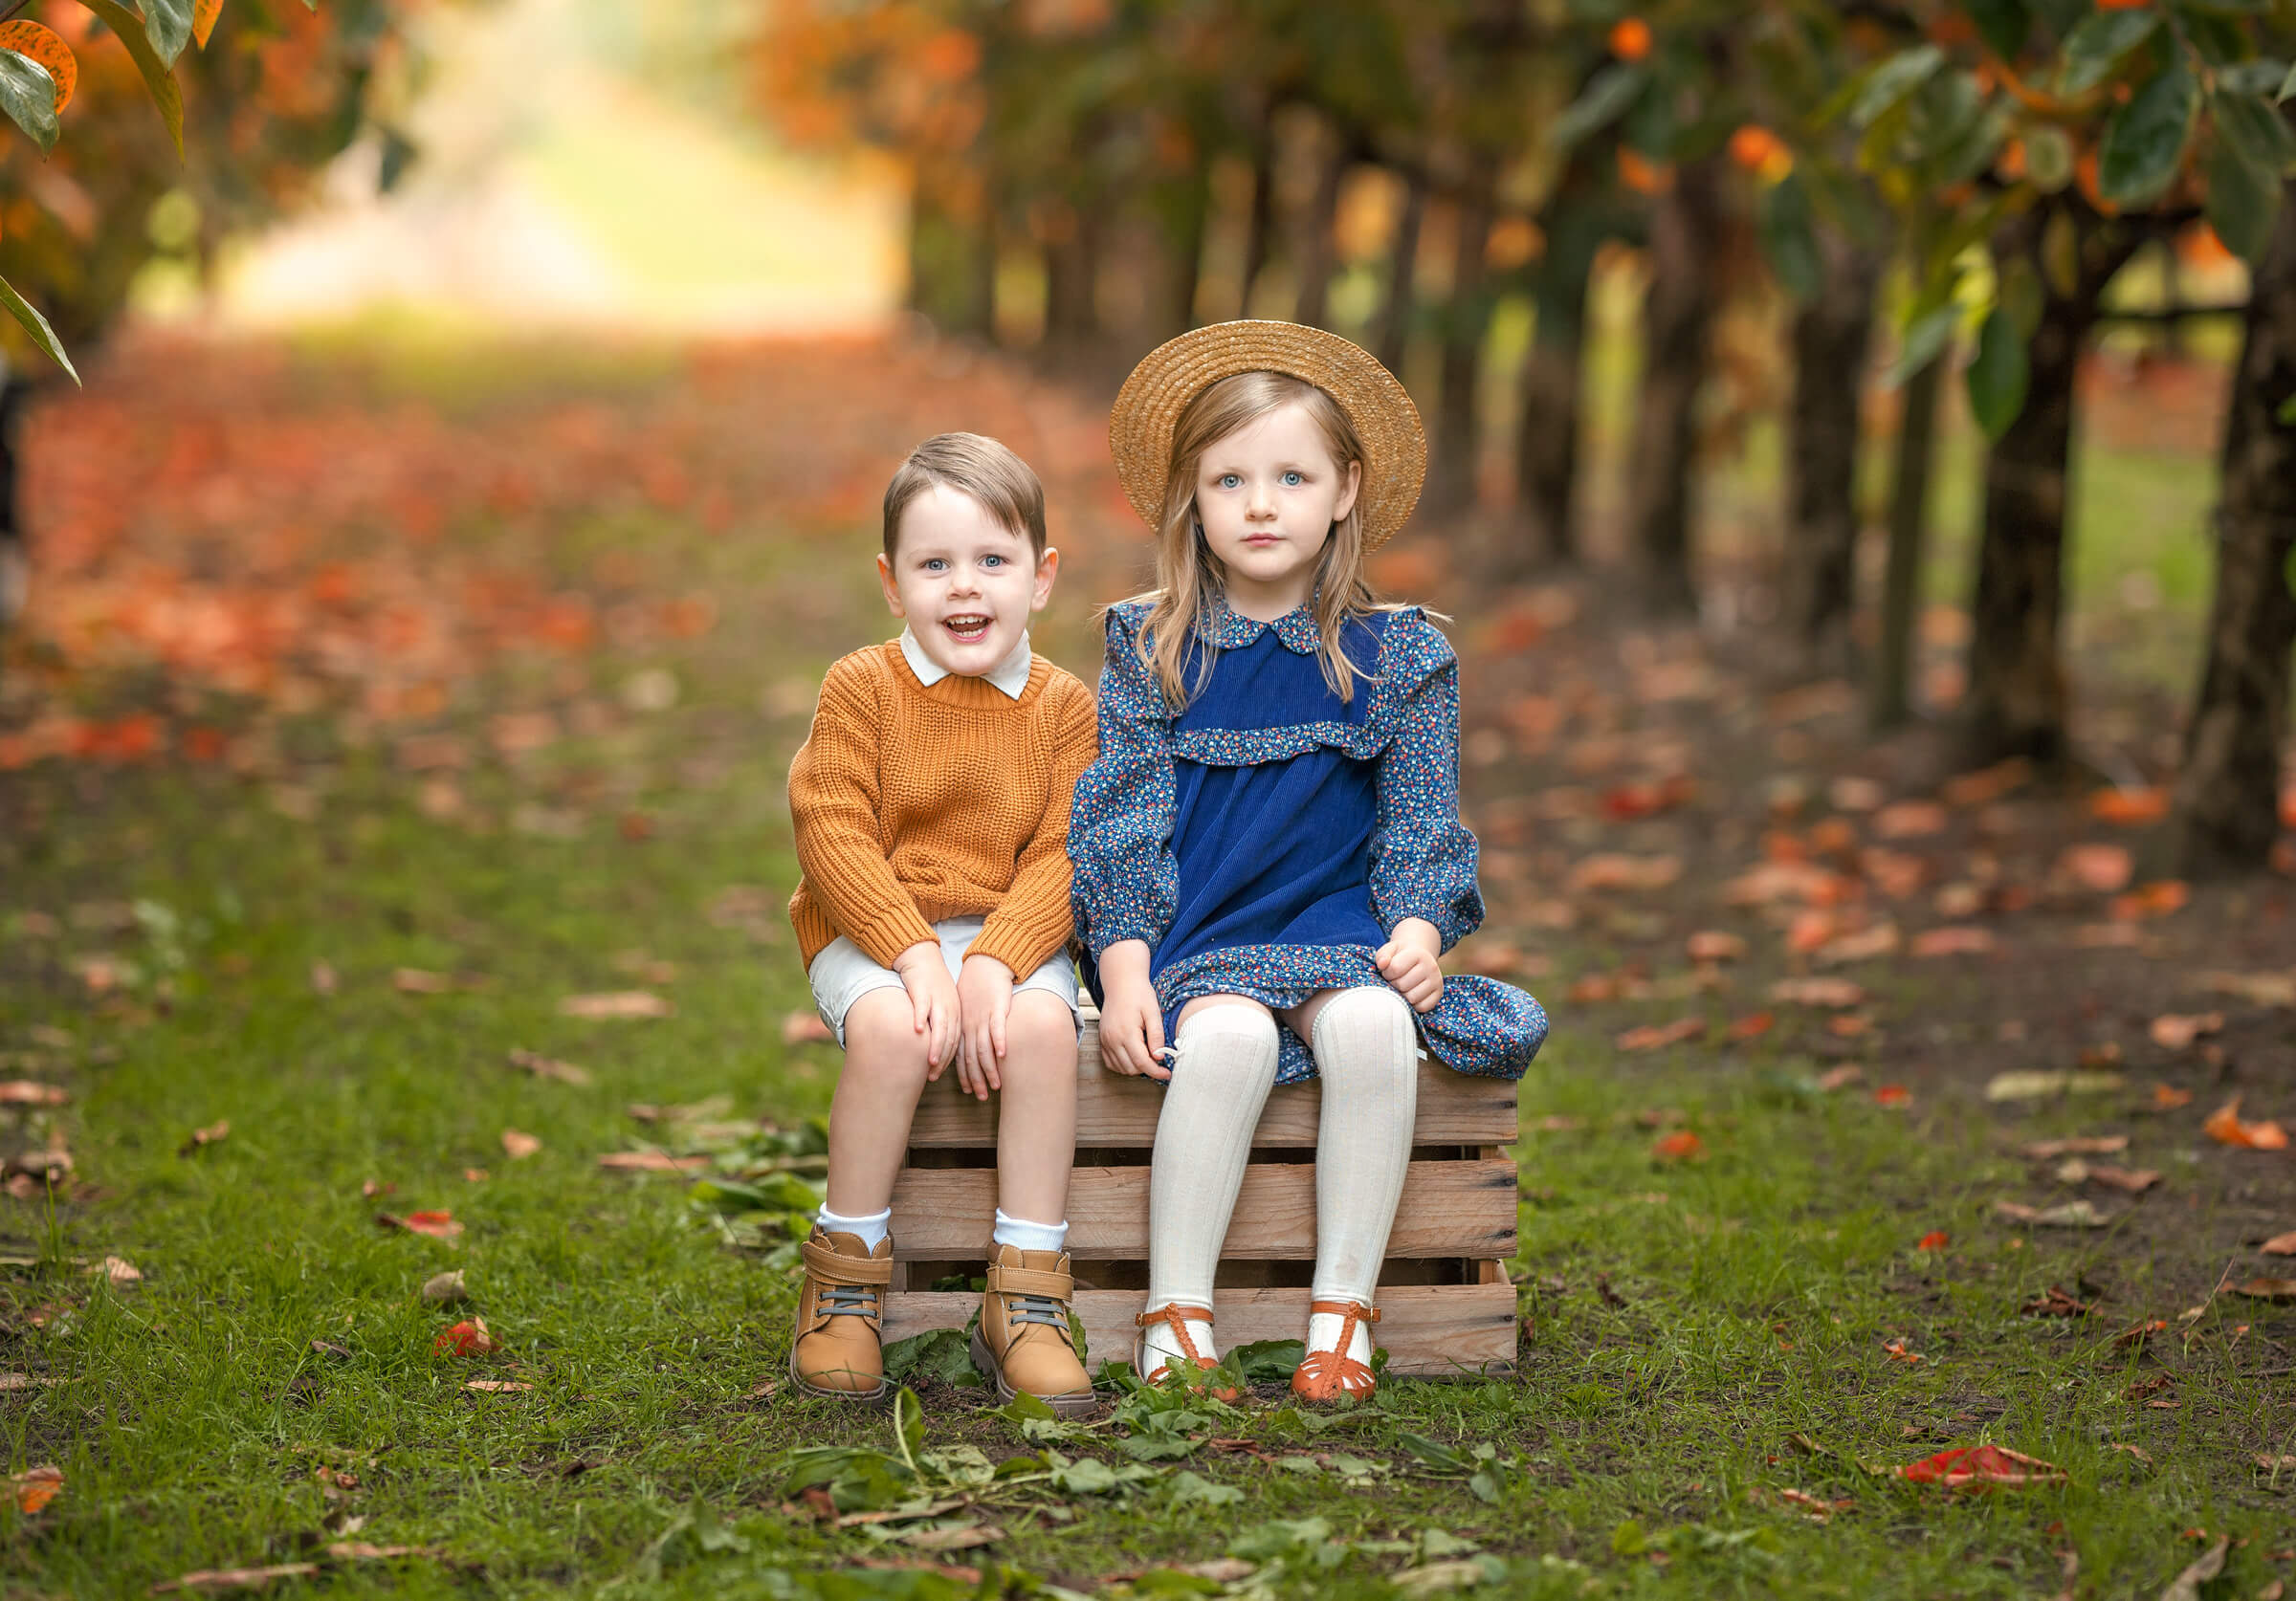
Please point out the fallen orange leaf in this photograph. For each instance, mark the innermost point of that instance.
(616, 1003)
(1653, 1037)
(2156, 899)
(518, 1146)
(2279, 1245)
(1892, 1095)
(1681, 1146)
(2175, 1030)
(1896, 1351)
(1976, 1467)
(2130, 807)
(467, 1338)
(1958, 941)
(35, 1487)
(439, 1225)
(2104, 868)
(2225, 1127)
(1936, 1239)
(1752, 1027)
(2167, 1097)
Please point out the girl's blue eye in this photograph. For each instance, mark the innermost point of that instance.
(1229, 480)
(1292, 480)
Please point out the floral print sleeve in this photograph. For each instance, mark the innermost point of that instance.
(1422, 858)
(1120, 826)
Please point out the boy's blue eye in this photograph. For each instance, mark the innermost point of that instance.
(1292, 480)
(993, 561)
(934, 563)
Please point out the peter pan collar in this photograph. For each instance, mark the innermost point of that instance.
(1226, 628)
(1010, 676)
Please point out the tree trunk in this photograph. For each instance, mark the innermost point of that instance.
(1686, 228)
(951, 262)
(15, 561)
(1260, 229)
(1071, 283)
(2228, 799)
(1901, 587)
(2019, 702)
(1466, 317)
(1831, 337)
(1393, 334)
(1574, 223)
(1194, 226)
(1318, 234)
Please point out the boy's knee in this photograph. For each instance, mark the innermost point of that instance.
(881, 1037)
(1040, 1035)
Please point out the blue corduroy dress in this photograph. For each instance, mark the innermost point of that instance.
(1265, 840)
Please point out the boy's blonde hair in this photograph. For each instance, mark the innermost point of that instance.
(1188, 575)
(1005, 486)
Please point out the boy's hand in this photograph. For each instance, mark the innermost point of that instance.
(1408, 961)
(984, 1000)
(933, 994)
(1132, 1021)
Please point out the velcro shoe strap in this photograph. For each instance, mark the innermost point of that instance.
(1030, 1280)
(830, 1268)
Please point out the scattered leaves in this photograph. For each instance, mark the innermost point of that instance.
(544, 1067)
(2225, 1127)
(517, 1146)
(1977, 1467)
(1831, 993)
(1651, 1037)
(615, 1003)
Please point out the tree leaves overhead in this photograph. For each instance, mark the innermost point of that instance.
(1998, 374)
(1890, 82)
(2244, 203)
(29, 95)
(1613, 90)
(165, 93)
(2256, 130)
(167, 24)
(2003, 24)
(46, 47)
(2144, 141)
(2094, 48)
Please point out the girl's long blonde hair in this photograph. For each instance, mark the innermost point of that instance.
(1189, 576)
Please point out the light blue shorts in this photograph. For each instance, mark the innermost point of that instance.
(843, 972)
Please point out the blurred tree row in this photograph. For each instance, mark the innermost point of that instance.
(152, 131)
(1969, 175)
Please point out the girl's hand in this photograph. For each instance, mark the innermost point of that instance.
(933, 994)
(984, 1000)
(1132, 1021)
(1408, 961)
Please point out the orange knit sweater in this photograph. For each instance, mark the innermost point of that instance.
(913, 804)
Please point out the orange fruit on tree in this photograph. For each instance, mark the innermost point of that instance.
(1630, 38)
(46, 47)
(1642, 175)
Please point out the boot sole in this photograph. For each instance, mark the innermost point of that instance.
(879, 1397)
(1074, 1403)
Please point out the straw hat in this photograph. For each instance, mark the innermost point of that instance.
(1395, 447)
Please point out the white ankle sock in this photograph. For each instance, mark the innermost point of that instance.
(868, 1230)
(1028, 1236)
(1366, 1046)
(1224, 1064)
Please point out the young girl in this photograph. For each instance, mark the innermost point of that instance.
(1268, 856)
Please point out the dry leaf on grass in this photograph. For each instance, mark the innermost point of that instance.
(445, 1288)
(1892, 1096)
(118, 1272)
(2186, 1586)
(1865, 946)
(650, 1161)
(1619, 870)
(27, 1092)
(615, 1003)
(1895, 1350)
(415, 981)
(2034, 1085)
(1978, 1467)
(1651, 1037)
(1833, 993)
(1682, 1146)
(1713, 945)
(35, 1487)
(467, 1338)
(2085, 1144)
(439, 1225)
(2224, 1125)
(520, 1146)
(1839, 1078)
(2133, 1182)
(1936, 1239)
(1961, 940)
(2058, 1302)
(806, 1028)
(26, 1381)
(497, 1385)
(219, 1129)
(2167, 1097)
(323, 979)
(2132, 809)
(963, 1538)
(2071, 1215)
(2175, 1030)
(2263, 989)
(211, 1581)
(2268, 1290)
(2104, 868)
(2279, 1245)
(544, 1067)
(1909, 820)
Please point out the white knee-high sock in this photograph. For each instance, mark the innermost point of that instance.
(1224, 1064)
(1366, 1048)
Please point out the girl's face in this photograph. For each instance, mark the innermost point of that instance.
(964, 582)
(1267, 496)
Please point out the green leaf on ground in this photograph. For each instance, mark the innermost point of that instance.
(943, 1355)
(1268, 1361)
(2144, 141)
(28, 319)
(1998, 374)
(1187, 1486)
(28, 95)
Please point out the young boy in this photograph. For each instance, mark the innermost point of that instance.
(931, 804)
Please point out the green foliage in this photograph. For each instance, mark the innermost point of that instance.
(34, 324)
(28, 95)
(2094, 49)
(1998, 374)
(166, 95)
(2144, 141)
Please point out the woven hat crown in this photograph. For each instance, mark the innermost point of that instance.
(1172, 375)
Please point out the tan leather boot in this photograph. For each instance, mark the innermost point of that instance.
(841, 1318)
(1022, 1342)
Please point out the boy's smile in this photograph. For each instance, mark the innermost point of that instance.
(965, 583)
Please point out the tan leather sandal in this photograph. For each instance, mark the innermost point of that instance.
(839, 1350)
(1326, 1375)
(1022, 1342)
(1178, 1316)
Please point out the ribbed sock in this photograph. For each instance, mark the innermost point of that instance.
(1367, 1052)
(870, 1230)
(1223, 1067)
(1029, 1236)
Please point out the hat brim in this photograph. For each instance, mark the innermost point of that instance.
(1395, 444)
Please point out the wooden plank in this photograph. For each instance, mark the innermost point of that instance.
(1428, 1331)
(1454, 1108)
(1449, 1209)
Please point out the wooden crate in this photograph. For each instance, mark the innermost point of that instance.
(1446, 1306)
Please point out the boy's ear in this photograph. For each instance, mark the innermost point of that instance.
(1048, 568)
(893, 593)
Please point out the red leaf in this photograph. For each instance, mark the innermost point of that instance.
(1936, 1239)
(1980, 1467)
(1892, 1095)
(1681, 1146)
(467, 1338)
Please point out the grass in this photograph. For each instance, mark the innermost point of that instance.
(1700, 1337)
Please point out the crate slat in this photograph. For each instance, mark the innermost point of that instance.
(1428, 1331)
(1112, 1110)
(1449, 1209)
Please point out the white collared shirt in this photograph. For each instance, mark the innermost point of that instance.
(1010, 676)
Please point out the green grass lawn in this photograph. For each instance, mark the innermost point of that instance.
(1708, 1401)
